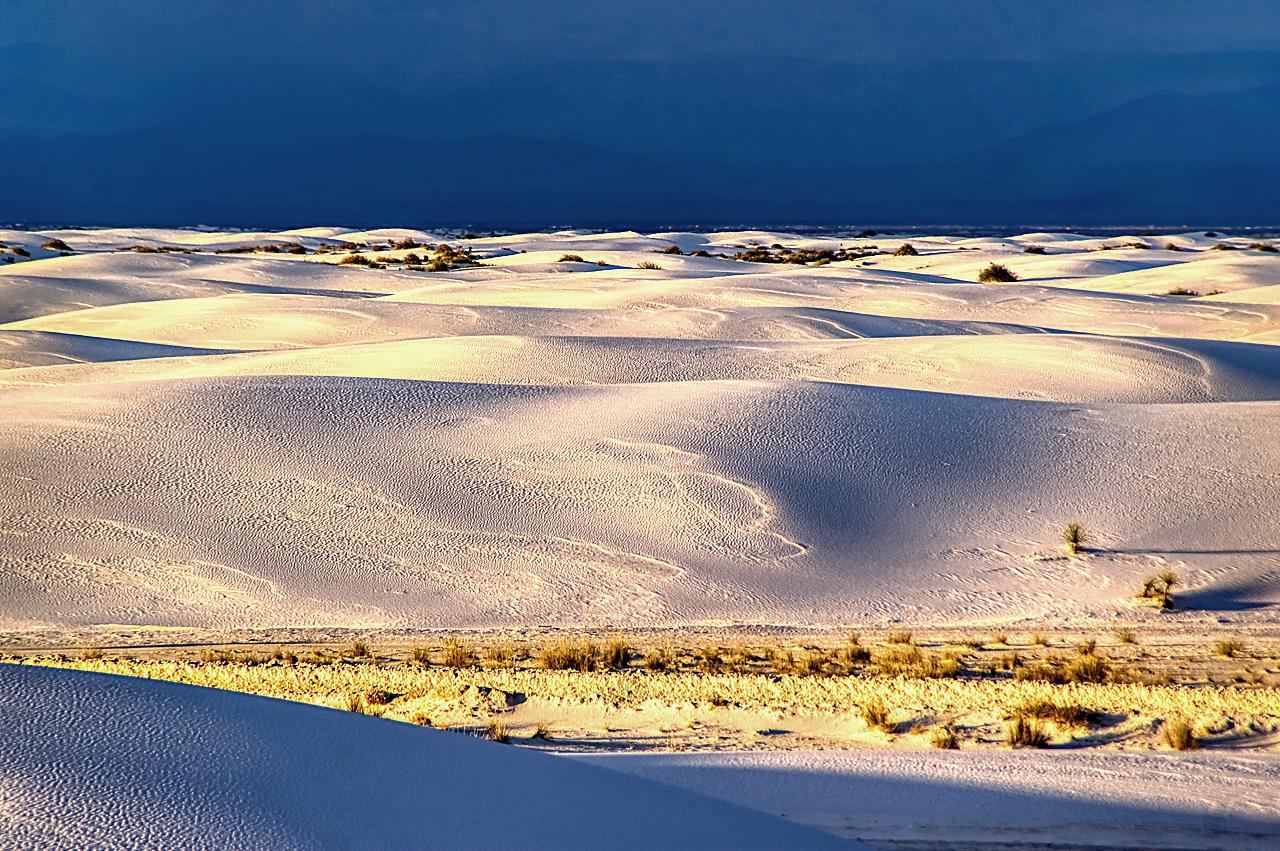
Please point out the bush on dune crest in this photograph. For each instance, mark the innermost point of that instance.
(996, 273)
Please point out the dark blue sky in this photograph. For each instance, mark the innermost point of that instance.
(916, 93)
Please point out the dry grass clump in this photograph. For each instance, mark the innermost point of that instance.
(91, 653)
(876, 716)
(906, 250)
(647, 264)
(1040, 640)
(1228, 648)
(908, 661)
(457, 654)
(898, 637)
(420, 655)
(56, 244)
(670, 249)
(709, 659)
(355, 703)
(1066, 714)
(1179, 734)
(542, 731)
(1024, 732)
(996, 273)
(500, 656)
(1087, 646)
(421, 719)
(659, 659)
(782, 659)
(1126, 636)
(944, 738)
(999, 638)
(497, 731)
(571, 656)
(358, 650)
(571, 258)
(1181, 291)
(1034, 249)
(1256, 246)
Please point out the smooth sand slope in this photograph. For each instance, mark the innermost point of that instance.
(995, 799)
(95, 761)
(257, 440)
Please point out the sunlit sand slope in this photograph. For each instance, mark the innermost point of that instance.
(254, 440)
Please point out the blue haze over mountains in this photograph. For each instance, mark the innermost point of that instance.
(693, 113)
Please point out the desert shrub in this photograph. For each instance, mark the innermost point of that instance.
(355, 703)
(56, 244)
(999, 638)
(647, 264)
(1010, 662)
(1067, 714)
(854, 654)
(22, 252)
(898, 637)
(1044, 673)
(812, 662)
(944, 738)
(500, 656)
(1034, 249)
(279, 654)
(658, 659)
(354, 260)
(91, 653)
(1087, 646)
(709, 658)
(996, 273)
(1024, 732)
(359, 649)
(740, 660)
(1181, 291)
(1228, 647)
(906, 250)
(1040, 639)
(411, 259)
(570, 258)
(421, 655)
(1142, 246)
(297, 249)
(702, 253)
(497, 731)
(457, 654)
(617, 653)
(1089, 669)
(1169, 246)
(1073, 536)
(571, 656)
(438, 265)
(1179, 734)
(1222, 246)
(876, 716)
(783, 660)
(421, 719)
(670, 249)
(1256, 246)
(379, 697)
(1126, 636)
(405, 244)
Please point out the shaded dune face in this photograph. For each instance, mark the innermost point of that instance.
(708, 441)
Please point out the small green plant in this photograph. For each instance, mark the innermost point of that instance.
(1228, 648)
(647, 264)
(996, 273)
(906, 250)
(570, 258)
(1024, 732)
(1073, 536)
(1179, 734)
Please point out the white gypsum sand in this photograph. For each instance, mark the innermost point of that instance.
(272, 439)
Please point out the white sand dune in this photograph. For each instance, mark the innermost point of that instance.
(96, 761)
(267, 440)
(995, 799)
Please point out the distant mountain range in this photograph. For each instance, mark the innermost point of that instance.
(1159, 159)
